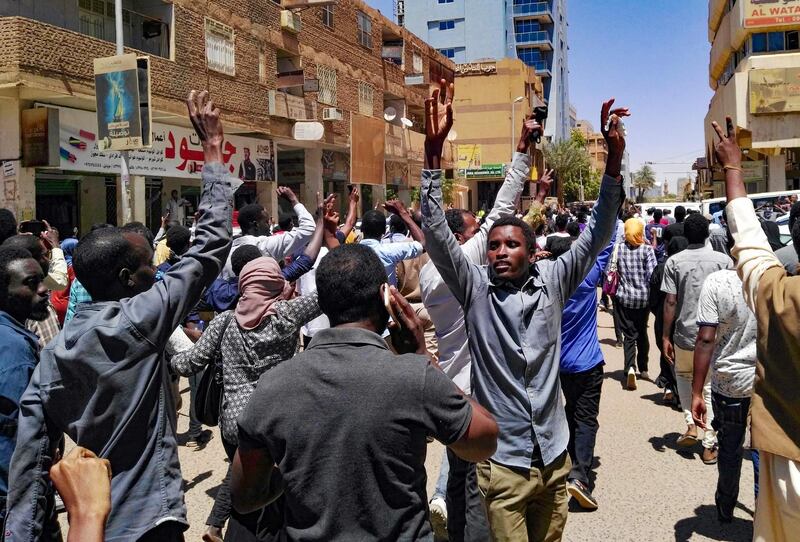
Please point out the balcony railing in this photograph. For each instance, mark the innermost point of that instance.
(535, 8)
(541, 37)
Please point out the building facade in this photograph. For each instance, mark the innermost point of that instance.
(271, 70)
(534, 31)
(595, 144)
(490, 104)
(753, 69)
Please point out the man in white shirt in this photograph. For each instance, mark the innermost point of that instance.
(726, 342)
(254, 221)
(373, 226)
(176, 209)
(466, 519)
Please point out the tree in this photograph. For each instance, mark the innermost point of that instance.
(570, 161)
(643, 180)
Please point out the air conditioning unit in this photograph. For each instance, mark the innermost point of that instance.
(291, 21)
(332, 113)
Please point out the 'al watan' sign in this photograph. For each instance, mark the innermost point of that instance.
(476, 68)
(766, 13)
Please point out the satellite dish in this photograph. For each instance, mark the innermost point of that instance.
(452, 135)
(406, 122)
(308, 131)
(389, 114)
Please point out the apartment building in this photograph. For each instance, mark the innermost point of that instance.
(535, 31)
(595, 144)
(754, 67)
(271, 70)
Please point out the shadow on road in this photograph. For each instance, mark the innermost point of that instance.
(705, 524)
(189, 484)
(669, 441)
(608, 342)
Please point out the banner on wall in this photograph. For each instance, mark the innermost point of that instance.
(175, 151)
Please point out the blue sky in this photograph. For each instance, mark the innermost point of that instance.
(652, 57)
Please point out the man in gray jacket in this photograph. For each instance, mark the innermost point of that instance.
(512, 310)
(103, 381)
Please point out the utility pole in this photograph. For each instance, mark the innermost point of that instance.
(124, 172)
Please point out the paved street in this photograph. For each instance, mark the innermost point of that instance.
(646, 489)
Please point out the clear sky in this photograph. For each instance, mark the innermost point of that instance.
(652, 56)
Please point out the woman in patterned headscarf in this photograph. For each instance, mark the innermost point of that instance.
(260, 333)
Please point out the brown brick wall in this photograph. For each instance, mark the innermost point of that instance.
(64, 58)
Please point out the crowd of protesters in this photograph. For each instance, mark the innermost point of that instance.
(330, 354)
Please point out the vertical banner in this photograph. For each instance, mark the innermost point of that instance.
(119, 122)
(367, 150)
(40, 137)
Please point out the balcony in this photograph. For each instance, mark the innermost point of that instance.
(542, 68)
(540, 39)
(539, 11)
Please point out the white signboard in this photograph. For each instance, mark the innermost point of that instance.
(176, 151)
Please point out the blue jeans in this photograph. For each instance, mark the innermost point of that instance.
(441, 483)
(730, 422)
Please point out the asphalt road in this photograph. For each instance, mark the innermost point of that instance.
(647, 490)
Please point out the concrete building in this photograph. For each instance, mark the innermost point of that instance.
(345, 66)
(753, 69)
(492, 99)
(595, 144)
(534, 31)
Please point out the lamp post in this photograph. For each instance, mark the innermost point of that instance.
(514, 120)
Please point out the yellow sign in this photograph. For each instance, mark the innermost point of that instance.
(775, 91)
(766, 13)
(469, 157)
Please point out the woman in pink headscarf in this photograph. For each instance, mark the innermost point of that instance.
(261, 332)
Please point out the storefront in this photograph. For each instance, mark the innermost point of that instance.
(83, 190)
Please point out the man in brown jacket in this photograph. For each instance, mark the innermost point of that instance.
(774, 297)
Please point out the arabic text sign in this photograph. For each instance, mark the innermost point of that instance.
(469, 156)
(765, 13)
(118, 107)
(176, 151)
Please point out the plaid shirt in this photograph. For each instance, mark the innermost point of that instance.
(634, 267)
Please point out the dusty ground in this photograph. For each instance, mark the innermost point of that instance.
(647, 490)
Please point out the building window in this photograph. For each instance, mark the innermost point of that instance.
(365, 94)
(364, 29)
(327, 16)
(447, 25)
(416, 63)
(449, 53)
(220, 47)
(774, 42)
(262, 66)
(92, 18)
(327, 84)
(445, 1)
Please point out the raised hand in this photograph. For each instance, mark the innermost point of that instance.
(395, 206)
(727, 151)
(615, 139)
(543, 185)
(406, 329)
(50, 236)
(206, 121)
(529, 126)
(288, 194)
(437, 126)
(355, 195)
(699, 411)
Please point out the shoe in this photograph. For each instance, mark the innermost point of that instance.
(438, 509)
(644, 376)
(710, 455)
(689, 438)
(631, 379)
(213, 534)
(668, 396)
(198, 441)
(581, 494)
